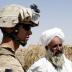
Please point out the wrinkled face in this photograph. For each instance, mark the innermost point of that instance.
(56, 46)
(24, 33)
(55, 52)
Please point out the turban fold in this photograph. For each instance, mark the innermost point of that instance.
(48, 35)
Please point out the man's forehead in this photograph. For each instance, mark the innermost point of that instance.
(56, 40)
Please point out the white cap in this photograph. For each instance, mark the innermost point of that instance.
(48, 35)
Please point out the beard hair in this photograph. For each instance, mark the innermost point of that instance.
(57, 61)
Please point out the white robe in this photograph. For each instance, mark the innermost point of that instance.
(43, 65)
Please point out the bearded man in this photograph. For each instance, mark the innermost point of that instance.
(55, 60)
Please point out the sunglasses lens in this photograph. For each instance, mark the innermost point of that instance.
(26, 27)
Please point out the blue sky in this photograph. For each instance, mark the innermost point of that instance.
(54, 13)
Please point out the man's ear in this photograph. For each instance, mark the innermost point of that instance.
(16, 30)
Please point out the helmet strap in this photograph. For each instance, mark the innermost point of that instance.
(13, 35)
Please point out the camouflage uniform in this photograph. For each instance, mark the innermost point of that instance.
(8, 60)
(9, 18)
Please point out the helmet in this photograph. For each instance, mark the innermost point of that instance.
(13, 14)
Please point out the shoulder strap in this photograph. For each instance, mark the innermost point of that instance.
(6, 51)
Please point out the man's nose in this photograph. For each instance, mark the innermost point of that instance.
(30, 32)
(59, 48)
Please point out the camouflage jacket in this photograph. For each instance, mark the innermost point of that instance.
(8, 61)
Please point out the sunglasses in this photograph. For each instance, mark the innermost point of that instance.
(26, 27)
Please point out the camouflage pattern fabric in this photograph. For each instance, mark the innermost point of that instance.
(8, 61)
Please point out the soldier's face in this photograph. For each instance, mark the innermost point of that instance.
(24, 33)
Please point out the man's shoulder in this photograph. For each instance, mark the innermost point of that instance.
(9, 62)
(38, 66)
(7, 58)
(41, 60)
(7, 51)
(40, 63)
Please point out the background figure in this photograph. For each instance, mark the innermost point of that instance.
(15, 24)
(55, 60)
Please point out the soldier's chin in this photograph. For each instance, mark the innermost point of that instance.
(23, 43)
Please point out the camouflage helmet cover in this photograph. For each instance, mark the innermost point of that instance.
(14, 14)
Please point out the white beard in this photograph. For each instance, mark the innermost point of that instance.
(57, 61)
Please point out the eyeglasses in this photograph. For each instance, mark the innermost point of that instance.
(27, 27)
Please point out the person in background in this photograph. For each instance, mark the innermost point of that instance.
(55, 60)
(16, 22)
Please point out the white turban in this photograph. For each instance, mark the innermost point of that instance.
(48, 35)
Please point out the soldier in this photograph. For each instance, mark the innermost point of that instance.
(15, 25)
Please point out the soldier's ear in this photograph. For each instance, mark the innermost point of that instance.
(16, 30)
